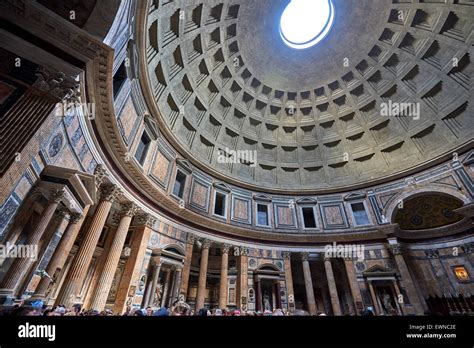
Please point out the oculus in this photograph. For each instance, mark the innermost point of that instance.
(304, 23)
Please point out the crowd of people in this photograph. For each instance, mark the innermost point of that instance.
(180, 308)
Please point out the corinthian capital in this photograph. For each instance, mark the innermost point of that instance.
(226, 248)
(206, 243)
(57, 195)
(287, 255)
(110, 192)
(75, 218)
(146, 219)
(190, 239)
(304, 256)
(129, 209)
(396, 249)
(100, 173)
(244, 251)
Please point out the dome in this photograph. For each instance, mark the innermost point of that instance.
(241, 104)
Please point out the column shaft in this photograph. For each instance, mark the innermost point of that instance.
(187, 266)
(127, 290)
(104, 283)
(406, 277)
(17, 270)
(377, 309)
(353, 284)
(336, 306)
(223, 280)
(80, 264)
(259, 295)
(176, 285)
(166, 286)
(201, 292)
(308, 282)
(61, 253)
(289, 281)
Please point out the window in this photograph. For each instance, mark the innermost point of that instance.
(220, 204)
(308, 217)
(262, 214)
(178, 189)
(360, 215)
(119, 79)
(142, 148)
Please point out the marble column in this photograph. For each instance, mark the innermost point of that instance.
(150, 296)
(308, 282)
(278, 296)
(176, 285)
(289, 280)
(127, 290)
(377, 309)
(223, 281)
(406, 277)
(80, 264)
(20, 266)
(21, 218)
(61, 253)
(201, 291)
(243, 278)
(113, 257)
(171, 287)
(336, 306)
(166, 286)
(259, 294)
(398, 295)
(353, 284)
(188, 255)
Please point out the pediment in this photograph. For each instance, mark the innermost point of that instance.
(222, 186)
(261, 197)
(184, 165)
(307, 200)
(355, 195)
(379, 270)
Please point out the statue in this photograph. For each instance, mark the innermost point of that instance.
(157, 295)
(266, 302)
(387, 303)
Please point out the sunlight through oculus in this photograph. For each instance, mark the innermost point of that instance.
(304, 23)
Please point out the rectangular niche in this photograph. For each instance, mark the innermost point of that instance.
(333, 215)
(199, 194)
(285, 216)
(160, 170)
(241, 209)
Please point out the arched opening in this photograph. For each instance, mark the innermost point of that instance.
(427, 210)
